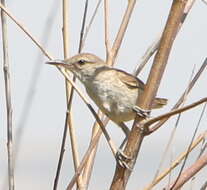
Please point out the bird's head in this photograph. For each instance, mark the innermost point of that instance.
(83, 65)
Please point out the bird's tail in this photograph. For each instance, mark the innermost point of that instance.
(159, 103)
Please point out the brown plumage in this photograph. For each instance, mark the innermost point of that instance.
(114, 91)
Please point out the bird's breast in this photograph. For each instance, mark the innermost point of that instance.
(113, 98)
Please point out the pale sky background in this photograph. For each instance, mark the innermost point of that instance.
(41, 120)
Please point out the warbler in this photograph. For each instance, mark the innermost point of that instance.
(113, 90)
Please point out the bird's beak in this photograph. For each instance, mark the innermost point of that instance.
(57, 62)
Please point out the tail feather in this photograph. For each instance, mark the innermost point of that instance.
(159, 103)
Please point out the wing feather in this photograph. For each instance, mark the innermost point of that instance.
(130, 80)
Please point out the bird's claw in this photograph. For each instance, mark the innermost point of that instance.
(141, 112)
(122, 159)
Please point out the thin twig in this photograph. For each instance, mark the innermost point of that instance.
(171, 161)
(106, 32)
(147, 55)
(86, 157)
(90, 162)
(8, 99)
(205, 1)
(69, 94)
(25, 30)
(188, 7)
(203, 148)
(167, 148)
(83, 27)
(189, 172)
(172, 135)
(199, 139)
(30, 94)
(62, 151)
(122, 30)
(151, 50)
(65, 29)
(174, 112)
(79, 48)
(96, 129)
(186, 157)
(24, 115)
(204, 186)
(83, 161)
(179, 102)
(66, 50)
(90, 22)
(186, 10)
(68, 119)
(136, 135)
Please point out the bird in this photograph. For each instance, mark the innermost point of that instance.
(114, 91)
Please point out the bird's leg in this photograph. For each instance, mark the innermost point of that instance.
(126, 131)
(141, 112)
(122, 158)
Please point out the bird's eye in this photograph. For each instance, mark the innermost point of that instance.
(81, 62)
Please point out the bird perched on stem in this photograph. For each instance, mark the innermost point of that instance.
(114, 91)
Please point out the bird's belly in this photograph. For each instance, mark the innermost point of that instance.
(120, 113)
(115, 104)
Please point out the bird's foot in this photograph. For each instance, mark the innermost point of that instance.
(122, 159)
(141, 112)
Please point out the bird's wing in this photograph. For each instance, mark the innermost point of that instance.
(130, 80)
